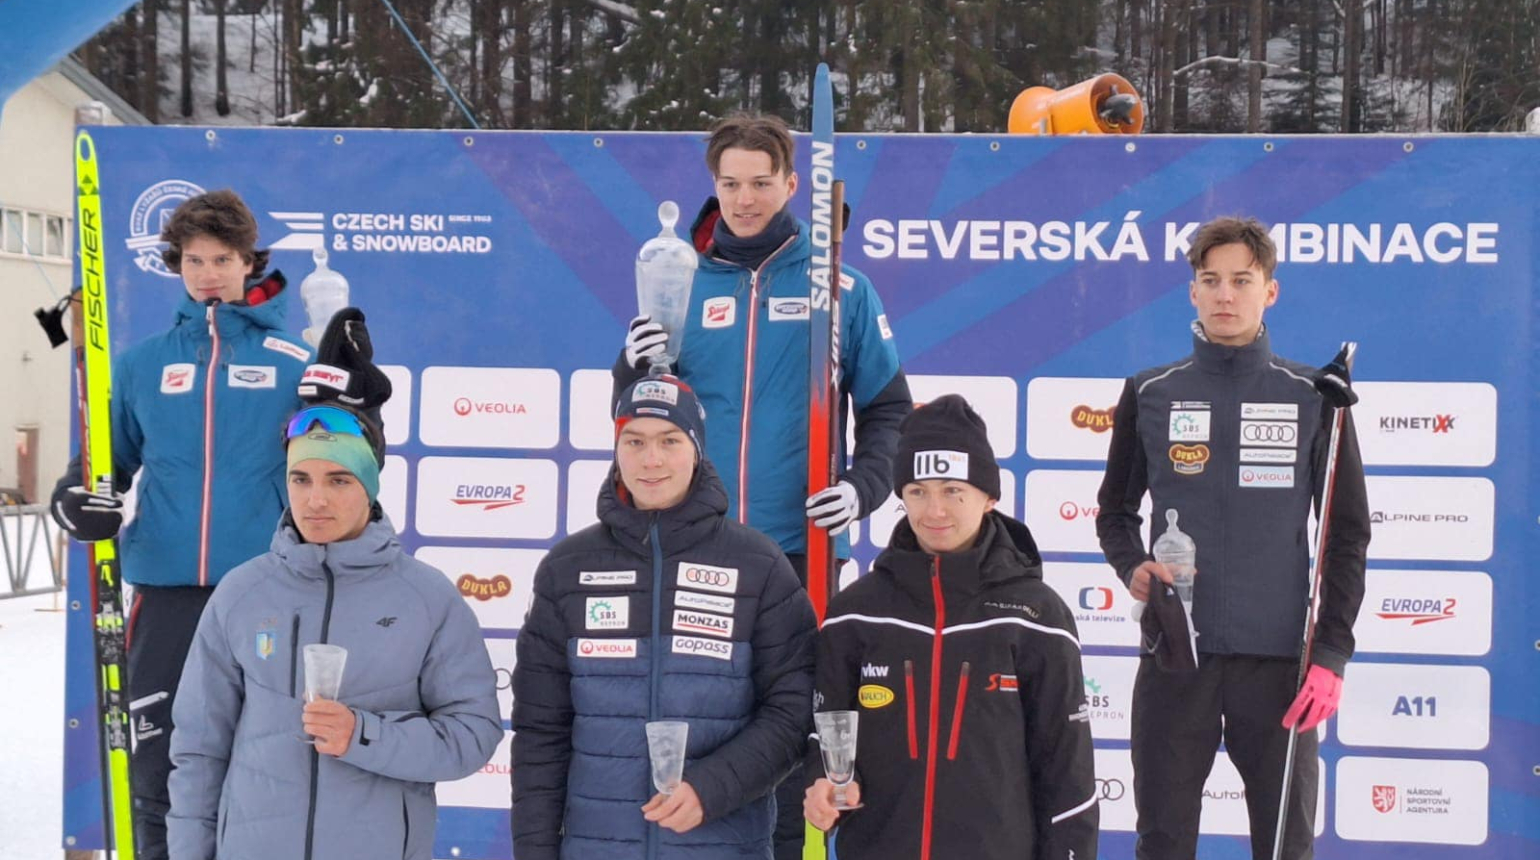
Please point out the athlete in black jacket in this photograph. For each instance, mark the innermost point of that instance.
(974, 738)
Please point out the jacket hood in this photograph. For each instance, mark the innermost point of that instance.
(1004, 551)
(686, 523)
(378, 547)
(264, 307)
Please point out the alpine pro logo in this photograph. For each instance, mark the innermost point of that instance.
(723, 580)
(1417, 610)
(489, 497)
(1088, 418)
(484, 589)
(151, 211)
(719, 313)
(464, 406)
(945, 465)
(611, 648)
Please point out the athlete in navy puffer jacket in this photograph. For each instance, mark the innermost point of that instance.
(677, 613)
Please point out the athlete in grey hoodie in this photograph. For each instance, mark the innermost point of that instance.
(418, 701)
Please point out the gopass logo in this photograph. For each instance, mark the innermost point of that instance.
(489, 497)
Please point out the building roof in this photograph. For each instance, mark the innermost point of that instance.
(75, 73)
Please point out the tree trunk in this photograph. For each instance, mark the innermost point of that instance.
(221, 85)
(1187, 40)
(1170, 15)
(1254, 70)
(523, 66)
(149, 62)
(1353, 10)
(187, 99)
(492, 62)
(558, 56)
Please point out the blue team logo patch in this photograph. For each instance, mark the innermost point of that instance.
(264, 645)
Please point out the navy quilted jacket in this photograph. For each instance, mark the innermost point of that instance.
(658, 615)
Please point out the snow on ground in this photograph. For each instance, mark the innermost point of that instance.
(31, 727)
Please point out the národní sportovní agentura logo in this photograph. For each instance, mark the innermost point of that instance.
(151, 211)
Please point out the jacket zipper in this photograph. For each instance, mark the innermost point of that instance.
(208, 451)
(748, 383)
(957, 712)
(935, 711)
(294, 657)
(656, 650)
(914, 740)
(315, 757)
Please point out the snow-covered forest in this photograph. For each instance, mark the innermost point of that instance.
(1284, 66)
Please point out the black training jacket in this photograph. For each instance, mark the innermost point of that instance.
(974, 738)
(1235, 439)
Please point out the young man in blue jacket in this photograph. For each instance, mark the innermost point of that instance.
(745, 352)
(663, 610)
(418, 699)
(196, 414)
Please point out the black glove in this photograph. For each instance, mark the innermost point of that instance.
(344, 368)
(1335, 381)
(87, 516)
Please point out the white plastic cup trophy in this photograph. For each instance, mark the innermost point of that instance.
(323, 674)
(324, 292)
(665, 268)
(666, 741)
(837, 743)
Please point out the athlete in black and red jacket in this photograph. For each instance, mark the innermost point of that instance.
(974, 738)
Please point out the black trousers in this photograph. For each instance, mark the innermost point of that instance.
(1178, 720)
(161, 625)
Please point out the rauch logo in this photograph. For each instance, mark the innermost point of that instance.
(1418, 610)
(466, 406)
(489, 497)
(484, 589)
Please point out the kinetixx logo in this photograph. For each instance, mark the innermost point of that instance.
(1420, 423)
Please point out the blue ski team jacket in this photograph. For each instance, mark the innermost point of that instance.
(201, 409)
(679, 614)
(745, 352)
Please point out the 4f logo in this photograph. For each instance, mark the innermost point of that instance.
(946, 465)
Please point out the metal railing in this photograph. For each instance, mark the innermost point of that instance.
(33, 559)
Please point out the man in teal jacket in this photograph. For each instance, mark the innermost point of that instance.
(745, 352)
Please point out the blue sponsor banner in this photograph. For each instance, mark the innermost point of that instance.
(1032, 274)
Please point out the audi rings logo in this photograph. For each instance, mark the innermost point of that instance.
(1109, 789)
(706, 576)
(1275, 432)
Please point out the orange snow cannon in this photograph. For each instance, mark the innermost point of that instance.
(1105, 104)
